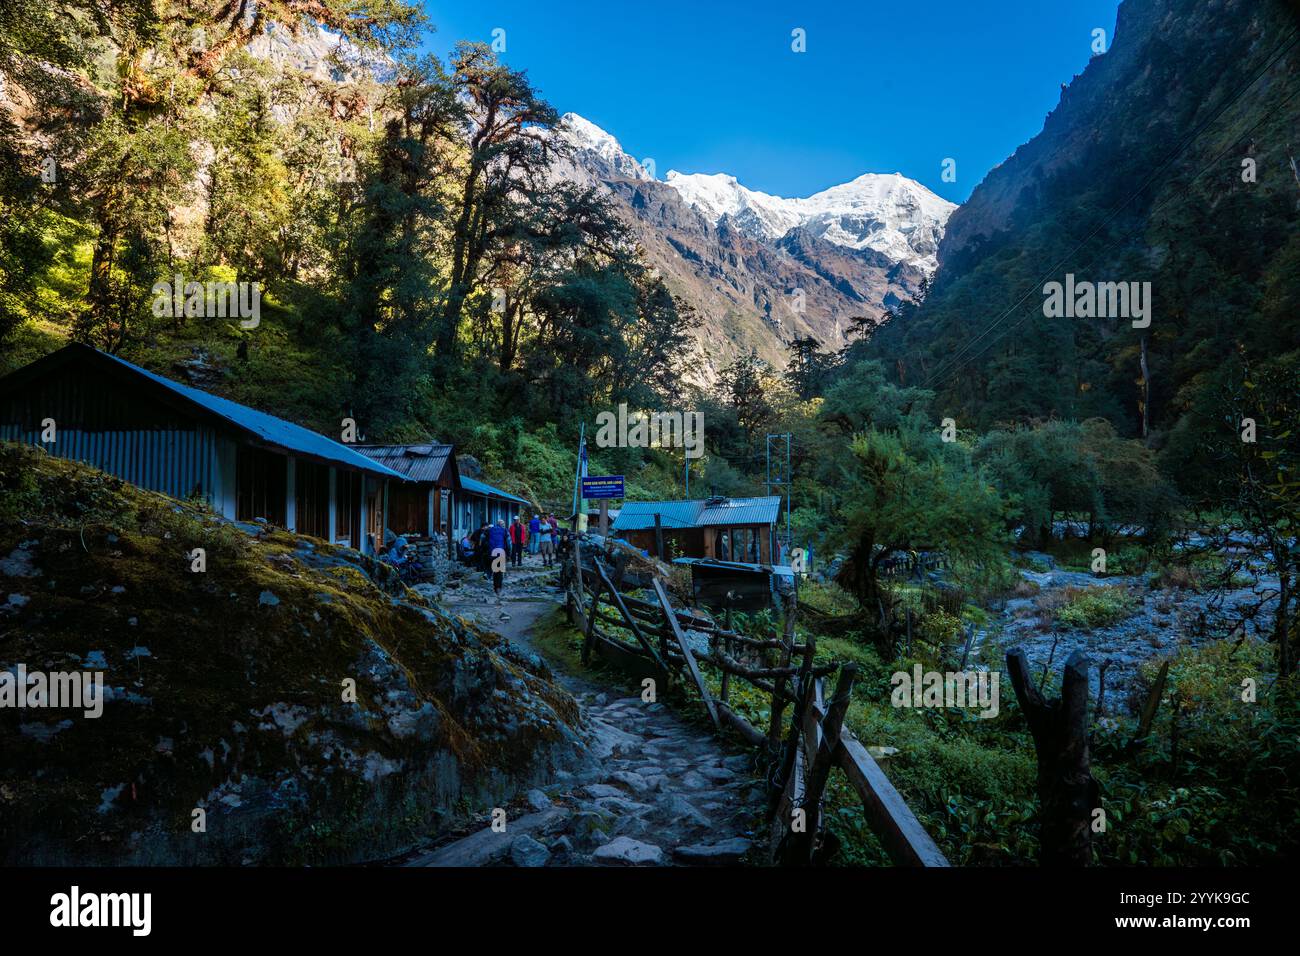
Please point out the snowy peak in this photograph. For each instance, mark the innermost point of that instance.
(588, 138)
(890, 214)
(756, 214)
(885, 213)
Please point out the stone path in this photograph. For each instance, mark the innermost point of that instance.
(655, 791)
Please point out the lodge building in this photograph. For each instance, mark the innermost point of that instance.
(727, 529)
(246, 464)
(184, 442)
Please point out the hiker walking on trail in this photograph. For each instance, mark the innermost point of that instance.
(482, 553)
(498, 541)
(534, 529)
(546, 542)
(518, 538)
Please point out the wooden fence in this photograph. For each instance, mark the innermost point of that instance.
(648, 638)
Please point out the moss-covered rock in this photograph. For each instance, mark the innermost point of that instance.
(226, 689)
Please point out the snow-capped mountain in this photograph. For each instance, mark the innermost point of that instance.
(590, 139)
(756, 214)
(760, 270)
(889, 213)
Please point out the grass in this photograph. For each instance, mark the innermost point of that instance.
(1087, 609)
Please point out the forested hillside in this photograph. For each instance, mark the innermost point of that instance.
(1171, 160)
(419, 270)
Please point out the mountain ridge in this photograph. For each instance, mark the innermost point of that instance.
(762, 269)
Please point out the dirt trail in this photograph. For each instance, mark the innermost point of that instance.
(655, 791)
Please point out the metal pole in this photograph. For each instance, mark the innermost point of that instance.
(577, 472)
(788, 481)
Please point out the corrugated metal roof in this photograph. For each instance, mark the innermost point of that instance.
(417, 462)
(272, 430)
(640, 515)
(741, 511)
(483, 488)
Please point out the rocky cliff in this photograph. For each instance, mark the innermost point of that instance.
(310, 706)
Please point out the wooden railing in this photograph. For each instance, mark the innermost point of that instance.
(649, 638)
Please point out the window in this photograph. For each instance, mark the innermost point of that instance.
(312, 497)
(347, 505)
(260, 485)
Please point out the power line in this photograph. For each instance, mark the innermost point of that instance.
(954, 362)
(1154, 209)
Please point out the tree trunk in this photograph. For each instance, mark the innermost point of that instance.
(1067, 793)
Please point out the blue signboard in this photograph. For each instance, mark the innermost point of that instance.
(602, 486)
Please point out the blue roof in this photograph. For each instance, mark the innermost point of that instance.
(272, 430)
(483, 488)
(741, 511)
(640, 515)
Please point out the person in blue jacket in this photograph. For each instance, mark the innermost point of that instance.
(498, 542)
(534, 528)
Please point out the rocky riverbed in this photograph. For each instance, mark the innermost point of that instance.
(1162, 620)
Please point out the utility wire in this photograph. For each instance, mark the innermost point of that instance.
(952, 369)
(954, 362)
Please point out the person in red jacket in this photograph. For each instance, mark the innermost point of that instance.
(518, 538)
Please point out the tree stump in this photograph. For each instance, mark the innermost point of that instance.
(1067, 793)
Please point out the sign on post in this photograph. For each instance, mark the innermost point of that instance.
(602, 486)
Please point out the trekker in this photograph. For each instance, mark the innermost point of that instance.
(467, 550)
(546, 542)
(518, 538)
(534, 527)
(497, 547)
(481, 550)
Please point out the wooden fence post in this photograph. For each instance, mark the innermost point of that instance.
(799, 850)
(591, 621)
(685, 647)
(1067, 793)
(778, 685)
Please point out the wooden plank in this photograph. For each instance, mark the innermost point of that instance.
(892, 820)
(631, 621)
(752, 734)
(686, 653)
(777, 708)
(793, 796)
(821, 741)
(813, 716)
(591, 624)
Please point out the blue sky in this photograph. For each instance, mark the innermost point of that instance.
(705, 87)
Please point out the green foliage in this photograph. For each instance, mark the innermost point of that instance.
(1086, 609)
(1087, 469)
(908, 491)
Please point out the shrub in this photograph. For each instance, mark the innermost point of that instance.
(1089, 608)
